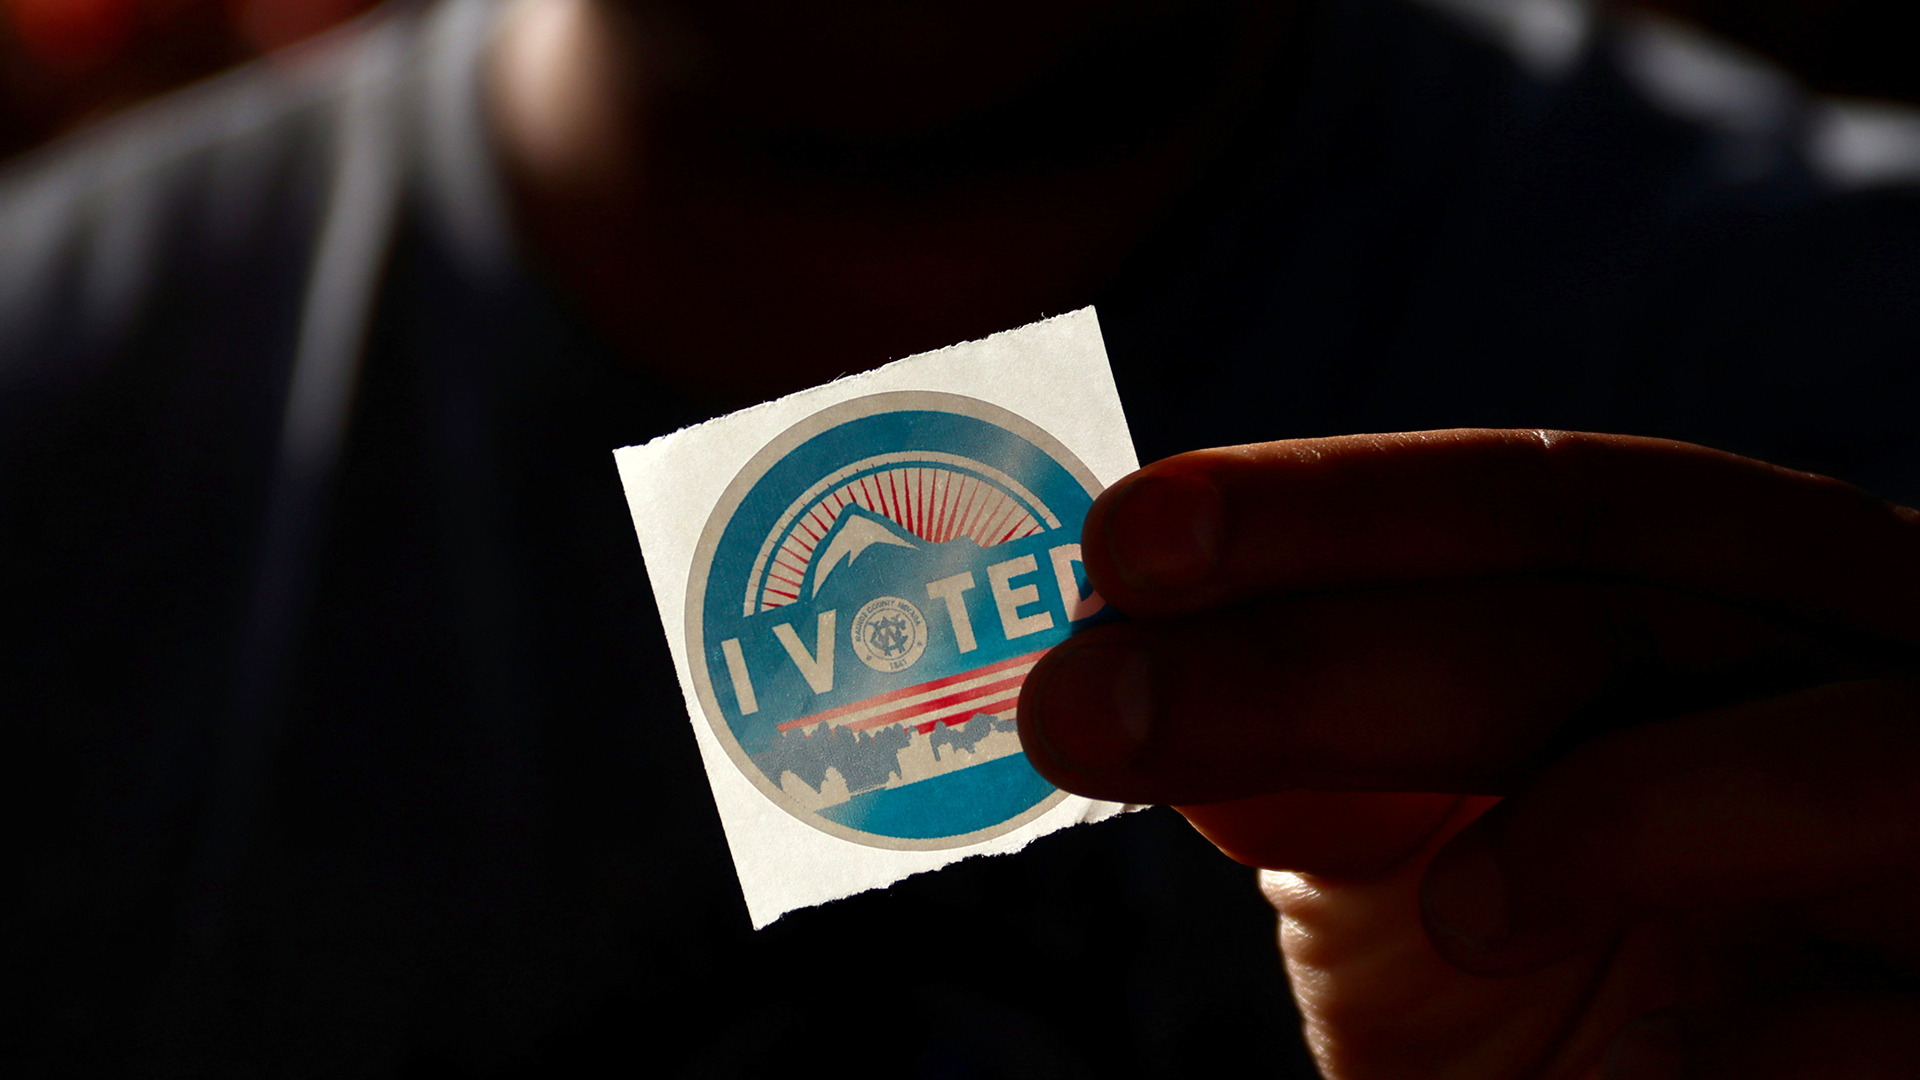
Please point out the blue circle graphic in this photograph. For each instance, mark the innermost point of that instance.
(869, 604)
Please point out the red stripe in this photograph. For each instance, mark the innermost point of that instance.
(991, 507)
(909, 691)
(942, 484)
(939, 703)
(934, 504)
(991, 524)
(913, 502)
(925, 727)
(927, 506)
(973, 509)
(977, 503)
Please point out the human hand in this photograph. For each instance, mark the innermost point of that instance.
(1550, 732)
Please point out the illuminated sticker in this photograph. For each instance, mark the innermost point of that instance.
(865, 602)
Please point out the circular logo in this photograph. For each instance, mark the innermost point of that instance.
(866, 601)
(889, 634)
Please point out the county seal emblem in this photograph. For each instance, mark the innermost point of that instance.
(865, 602)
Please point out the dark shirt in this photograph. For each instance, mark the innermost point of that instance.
(342, 735)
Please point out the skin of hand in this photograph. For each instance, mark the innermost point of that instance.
(1564, 755)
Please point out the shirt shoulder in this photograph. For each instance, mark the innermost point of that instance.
(209, 221)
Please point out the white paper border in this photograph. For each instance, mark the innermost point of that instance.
(1055, 374)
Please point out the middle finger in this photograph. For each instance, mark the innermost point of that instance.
(1460, 687)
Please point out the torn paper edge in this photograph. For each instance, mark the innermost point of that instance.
(1055, 374)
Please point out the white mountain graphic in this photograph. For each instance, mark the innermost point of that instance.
(855, 533)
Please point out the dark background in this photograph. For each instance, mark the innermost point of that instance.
(1195, 999)
(64, 63)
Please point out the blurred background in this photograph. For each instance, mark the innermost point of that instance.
(65, 63)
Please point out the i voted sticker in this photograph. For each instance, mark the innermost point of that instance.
(866, 600)
(856, 579)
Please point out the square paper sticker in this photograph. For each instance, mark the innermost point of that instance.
(855, 580)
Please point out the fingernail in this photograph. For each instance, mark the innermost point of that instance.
(1649, 1048)
(1464, 894)
(1164, 531)
(1092, 706)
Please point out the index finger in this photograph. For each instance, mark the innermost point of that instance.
(1217, 527)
